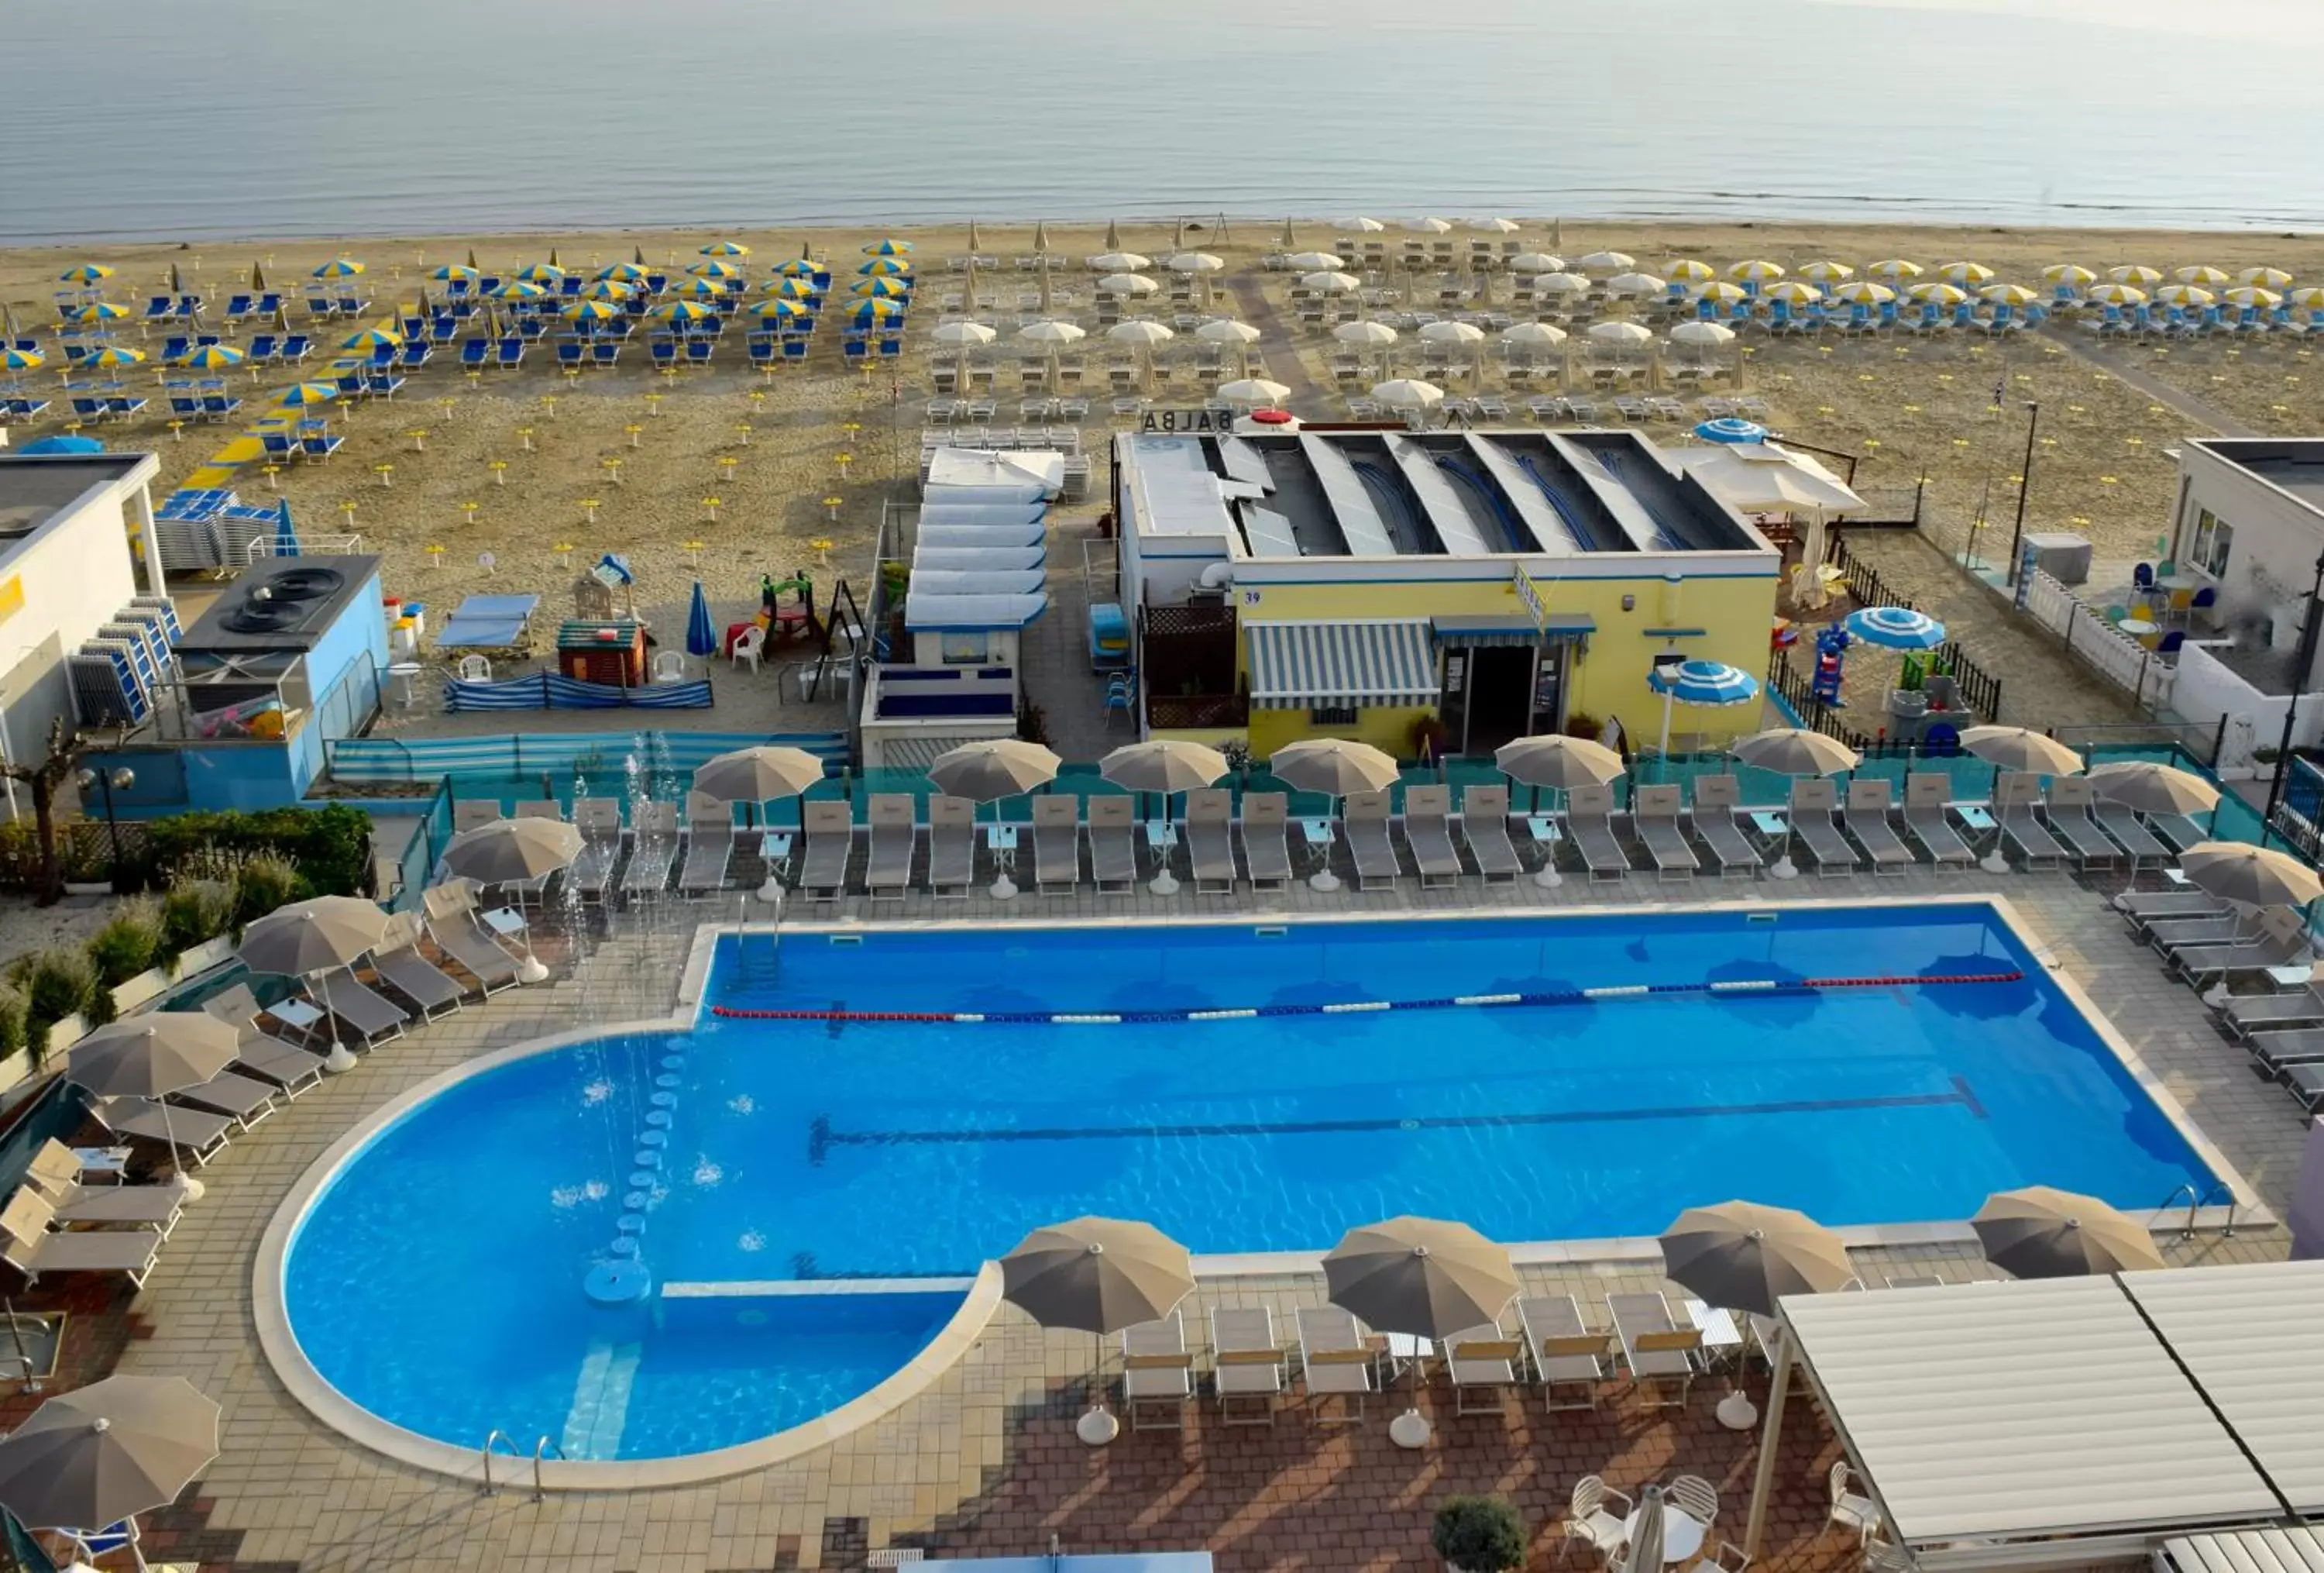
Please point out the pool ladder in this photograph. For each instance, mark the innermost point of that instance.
(2198, 1200)
(540, 1448)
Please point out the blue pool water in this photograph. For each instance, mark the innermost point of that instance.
(822, 1149)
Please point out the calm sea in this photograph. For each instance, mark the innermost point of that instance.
(154, 119)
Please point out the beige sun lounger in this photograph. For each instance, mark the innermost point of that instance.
(32, 1250)
(1566, 1352)
(1245, 1361)
(1654, 811)
(2067, 807)
(895, 834)
(830, 829)
(1815, 801)
(1927, 794)
(196, 1133)
(460, 934)
(399, 964)
(1335, 1360)
(1658, 1351)
(1866, 819)
(1717, 800)
(1363, 819)
(248, 1100)
(709, 844)
(600, 823)
(1157, 1374)
(1210, 839)
(1056, 844)
(475, 816)
(1589, 818)
(1428, 831)
(363, 1011)
(2015, 795)
(291, 1068)
(1266, 846)
(55, 1172)
(952, 847)
(1485, 827)
(1483, 1361)
(1113, 848)
(655, 844)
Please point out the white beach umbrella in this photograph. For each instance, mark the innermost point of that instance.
(1315, 262)
(963, 334)
(1534, 334)
(1127, 284)
(1050, 335)
(1494, 226)
(1452, 333)
(1254, 391)
(1196, 262)
(1562, 284)
(1630, 335)
(1330, 283)
(1358, 226)
(1609, 262)
(1144, 333)
(1636, 284)
(1702, 333)
(1365, 335)
(1427, 227)
(1536, 262)
(1227, 330)
(1118, 262)
(1407, 394)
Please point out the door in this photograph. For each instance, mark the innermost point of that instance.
(1500, 697)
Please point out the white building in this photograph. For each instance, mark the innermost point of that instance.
(67, 567)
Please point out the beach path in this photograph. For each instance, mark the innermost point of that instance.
(2155, 388)
(1306, 399)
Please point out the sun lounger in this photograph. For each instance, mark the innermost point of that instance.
(247, 1098)
(1484, 829)
(709, 844)
(32, 1250)
(1717, 800)
(1653, 814)
(2273, 1053)
(2142, 909)
(2177, 831)
(293, 1069)
(1364, 821)
(461, 935)
(398, 963)
(55, 1173)
(1480, 1361)
(1266, 851)
(2067, 807)
(1335, 1360)
(2281, 939)
(1866, 818)
(599, 821)
(1814, 800)
(2247, 1015)
(2169, 936)
(1056, 844)
(1926, 794)
(475, 815)
(830, 829)
(2015, 795)
(1428, 831)
(1157, 1374)
(1589, 817)
(654, 847)
(2306, 1083)
(1566, 1352)
(371, 1017)
(952, 847)
(196, 1133)
(1210, 839)
(2138, 843)
(895, 832)
(1113, 852)
(1246, 1362)
(1655, 1348)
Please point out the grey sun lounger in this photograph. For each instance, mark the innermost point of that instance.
(1245, 1361)
(1265, 845)
(2143, 909)
(2015, 795)
(2306, 1082)
(2282, 940)
(1566, 1352)
(952, 847)
(291, 1068)
(1590, 820)
(461, 935)
(2177, 831)
(1654, 812)
(1056, 844)
(1927, 792)
(55, 1173)
(1866, 815)
(1113, 848)
(1428, 831)
(1814, 800)
(600, 823)
(709, 844)
(654, 848)
(1718, 798)
(1210, 839)
(197, 1133)
(398, 963)
(1658, 1351)
(2169, 936)
(32, 1249)
(2130, 833)
(1485, 831)
(371, 1017)
(830, 829)
(245, 1097)
(2247, 1015)
(2270, 1051)
(895, 834)
(1364, 820)
(2068, 810)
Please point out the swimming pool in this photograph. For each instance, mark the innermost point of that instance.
(799, 1155)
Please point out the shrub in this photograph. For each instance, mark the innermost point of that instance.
(265, 883)
(128, 945)
(197, 910)
(57, 983)
(11, 1020)
(1586, 727)
(330, 845)
(1480, 1534)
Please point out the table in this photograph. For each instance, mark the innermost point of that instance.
(296, 1014)
(1770, 824)
(1682, 1533)
(505, 921)
(403, 671)
(2136, 628)
(775, 847)
(1000, 838)
(1975, 817)
(1316, 835)
(110, 1161)
(1543, 828)
(1722, 1340)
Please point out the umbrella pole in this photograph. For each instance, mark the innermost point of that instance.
(1324, 879)
(194, 1188)
(340, 1057)
(1004, 888)
(1097, 1426)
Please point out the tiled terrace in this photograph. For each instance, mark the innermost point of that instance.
(985, 1460)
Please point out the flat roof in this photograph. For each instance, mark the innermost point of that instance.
(2294, 464)
(36, 488)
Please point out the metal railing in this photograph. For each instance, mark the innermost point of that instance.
(540, 1448)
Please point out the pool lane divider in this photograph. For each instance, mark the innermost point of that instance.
(1757, 987)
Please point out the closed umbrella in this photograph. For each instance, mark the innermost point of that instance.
(1333, 766)
(151, 1056)
(2040, 1232)
(91, 1457)
(1424, 1278)
(1096, 1276)
(701, 637)
(1643, 1552)
(2017, 748)
(513, 852)
(2254, 877)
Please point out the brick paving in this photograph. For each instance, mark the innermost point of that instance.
(983, 1461)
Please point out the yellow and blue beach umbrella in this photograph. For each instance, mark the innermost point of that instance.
(798, 267)
(452, 272)
(372, 339)
(780, 310)
(886, 267)
(726, 248)
(1795, 291)
(593, 311)
(86, 273)
(2250, 295)
(517, 290)
(339, 267)
(2201, 274)
(1687, 271)
(1966, 274)
(2073, 275)
(623, 272)
(683, 311)
(608, 290)
(787, 289)
(870, 311)
(210, 357)
(301, 394)
(702, 289)
(115, 355)
(1827, 272)
(2008, 295)
(1938, 293)
(1756, 271)
(2265, 278)
(1896, 270)
(2184, 295)
(1864, 293)
(2117, 294)
(540, 273)
(2135, 276)
(22, 360)
(96, 312)
(880, 289)
(715, 269)
(889, 248)
(1722, 293)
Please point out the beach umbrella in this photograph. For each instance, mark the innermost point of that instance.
(884, 267)
(1335, 766)
(2264, 277)
(608, 290)
(1636, 284)
(1365, 335)
(1052, 333)
(2040, 1232)
(210, 357)
(450, 272)
(726, 248)
(1227, 330)
(372, 339)
(1142, 332)
(301, 394)
(1704, 334)
(1493, 225)
(311, 936)
(2017, 748)
(1196, 262)
(1742, 1256)
(40, 445)
(1759, 476)
(1626, 334)
(22, 360)
(1561, 284)
(880, 289)
(1315, 262)
(2073, 275)
(1609, 262)
(1895, 628)
(890, 248)
(1864, 293)
(1536, 261)
(986, 772)
(796, 267)
(2200, 273)
(1896, 270)
(541, 273)
(1939, 294)
(960, 335)
(1427, 227)
(2135, 273)
(339, 268)
(1127, 284)
(1691, 270)
(2252, 295)
(1534, 334)
(1795, 750)
(1424, 1278)
(1705, 684)
(682, 311)
(1560, 764)
(1827, 272)
(787, 289)
(866, 313)
(707, 292)
(2117, 294)
(1331, 284)
(2308, 297)
(2153, 789)
(1408, 393)
(1163, 765)
(1451, 332)
(780, 310)
(153, 1056)
(511, 851)
(715, 269)
(516, 290)
(2185, 295)
(1254, 391)
(756, 775)
(2253, 876)
(286, 535)
(1732, 431)
(1722, 293)
(85, 273)
(1096, 1276)
(95, 311)
(621, 272)
(1757, 271)
(1794, 290)
(115, 355)
(1118, 262)
(1966, 274)
(701, 634)
(1358, 226)
(106, 1452)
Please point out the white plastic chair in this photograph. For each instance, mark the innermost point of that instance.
(1851, 1510)
(669, 666)
(475, 668)
(1588, 1520)
(1697, 1498)
(749, 646)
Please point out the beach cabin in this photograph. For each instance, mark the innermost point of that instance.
(1465, 588)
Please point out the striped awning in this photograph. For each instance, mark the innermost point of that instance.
(1353, 663)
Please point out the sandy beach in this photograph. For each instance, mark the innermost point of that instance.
(533, 449)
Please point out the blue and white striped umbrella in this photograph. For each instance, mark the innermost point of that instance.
(1895, 628)
(1704, 683)
(1730, 429)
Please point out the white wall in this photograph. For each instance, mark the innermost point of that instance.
(2272, 560)
(2206, 690)
(75, 574)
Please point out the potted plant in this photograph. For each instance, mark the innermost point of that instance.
(1585, 726)
(1480, 1534)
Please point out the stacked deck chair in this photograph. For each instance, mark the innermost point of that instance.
(952, 847)
(1210, 839)
(1653, 814)
(2069, 801)
(1590, 820)
(462, 936)
(1364, 819)
(895, 834)
(1927, 795)
(2015, 795)
(1718, 800)
(1866, 819)
(1265, 845)
(709, 844)
(1056, 844)
(1428, 831)
(655, 844)
(830, 829)
(398, 963)
(1814, 800)
(1485, 827)
(1113, 846)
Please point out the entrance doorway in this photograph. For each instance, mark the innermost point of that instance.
(1500, 697)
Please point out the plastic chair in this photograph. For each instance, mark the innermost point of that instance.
(749, 646)
(475, 668)
(1121, 694)
(669, 666)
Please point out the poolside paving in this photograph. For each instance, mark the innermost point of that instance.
(984, 1461)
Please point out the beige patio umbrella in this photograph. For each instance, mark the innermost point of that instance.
(91, 1457)
(1743, 1256)
(151, 1056)
(757, 775)
(1560, 764)
(310, 936)
(1408, 393)
(985, 773)
(1331, 284)
(2256, 876)
(961, 337)
(1096, 1276)
(1127, 284)
(1118, 262)
(1315, 262)
(1202, 265)
(512, 852)
(1335, 766)
(1164, 766)
(1050, 335)
(2153, 789)
(2043, 1232)
(1795, 751)
(1422, 1277)
(2018, 748)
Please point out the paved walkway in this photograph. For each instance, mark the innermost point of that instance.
(2085, 346)
(1308, 399)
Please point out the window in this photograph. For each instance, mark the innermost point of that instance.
(2213, 537)
(1333, 715)
(965, 649)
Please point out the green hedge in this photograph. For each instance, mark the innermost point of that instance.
(331, 845)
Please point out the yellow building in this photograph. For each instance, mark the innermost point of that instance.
(1475, 586)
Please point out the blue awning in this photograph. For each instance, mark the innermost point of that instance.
(1356, 663)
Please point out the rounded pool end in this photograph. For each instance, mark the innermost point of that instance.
(624, 1282)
